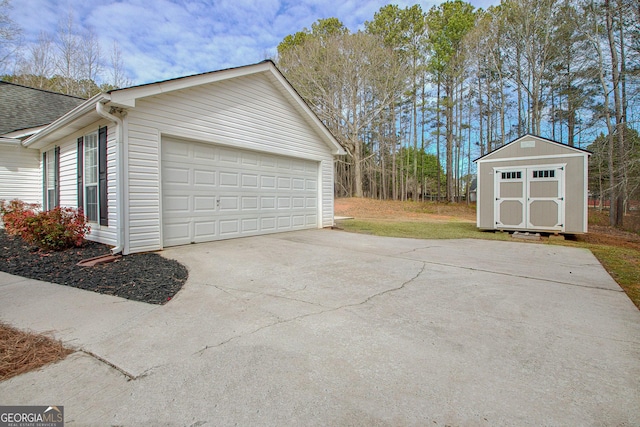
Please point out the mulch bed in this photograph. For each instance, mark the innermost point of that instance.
(143, 277)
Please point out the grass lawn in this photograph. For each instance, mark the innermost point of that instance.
(619, 253)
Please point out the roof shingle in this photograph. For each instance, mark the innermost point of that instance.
(23, 107)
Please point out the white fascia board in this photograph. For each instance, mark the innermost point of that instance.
(127, 97)
(82, 109)
(9, 141)
(337, 149)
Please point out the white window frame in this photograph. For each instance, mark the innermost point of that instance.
(50, 184)
(91, 171)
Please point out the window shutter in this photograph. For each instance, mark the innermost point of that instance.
(80, 172)
(102, 175)
(57, 175)
(44, 181)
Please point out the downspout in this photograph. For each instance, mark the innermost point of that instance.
(119, 175)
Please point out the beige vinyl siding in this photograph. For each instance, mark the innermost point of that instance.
(69, 179)
(246, 112)
(20, 176)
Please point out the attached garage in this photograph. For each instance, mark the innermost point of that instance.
(219, 155)
(211, 192)
(533, 184)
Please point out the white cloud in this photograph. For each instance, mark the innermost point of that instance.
(179, 37)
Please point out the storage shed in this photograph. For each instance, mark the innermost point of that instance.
(533, 184)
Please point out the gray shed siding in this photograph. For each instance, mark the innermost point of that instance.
(544, 153)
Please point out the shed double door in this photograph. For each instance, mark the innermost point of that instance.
(530, 198)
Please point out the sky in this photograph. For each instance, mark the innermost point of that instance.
(163, 39)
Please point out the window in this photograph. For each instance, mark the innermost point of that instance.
(512, 175)
(92, 176)
(51, 178)
(551, 173)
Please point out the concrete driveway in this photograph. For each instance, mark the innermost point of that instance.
(324, 327)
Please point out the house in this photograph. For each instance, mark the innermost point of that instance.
(533, 184)
(218, 155)
(24, 111)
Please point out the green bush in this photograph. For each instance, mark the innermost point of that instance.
(56, 229)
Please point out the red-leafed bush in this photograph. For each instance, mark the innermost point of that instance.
(56, 229)
(15, 216)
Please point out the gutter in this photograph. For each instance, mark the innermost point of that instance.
(100, 109)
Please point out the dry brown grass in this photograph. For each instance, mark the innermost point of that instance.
(22, 352)
(363, 208)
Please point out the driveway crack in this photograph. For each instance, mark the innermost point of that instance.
(227, 289)
(302, 316)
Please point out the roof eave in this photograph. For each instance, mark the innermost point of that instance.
(336, 148)
(530, 135)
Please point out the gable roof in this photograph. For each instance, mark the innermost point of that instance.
(529, 135)
(126, 98)
(23, 107)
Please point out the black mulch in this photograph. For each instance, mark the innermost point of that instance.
(146, 277)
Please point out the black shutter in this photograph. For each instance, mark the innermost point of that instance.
(56, 161)
(80, 172)
(44, 181)
(102, 175)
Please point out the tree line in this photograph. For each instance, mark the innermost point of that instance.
(70, 60)
(416, 95)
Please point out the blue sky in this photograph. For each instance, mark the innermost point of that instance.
(162, 39)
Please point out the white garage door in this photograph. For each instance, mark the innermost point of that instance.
(212, 193)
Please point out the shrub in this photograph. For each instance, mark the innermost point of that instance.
(15, 215)
(56, 229)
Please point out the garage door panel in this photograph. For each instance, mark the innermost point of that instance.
(204, 204)
(284, 202)
(177, 175)
(203, 152)
(312, 220)
(249, 180)
(177, 204)
(229, 226)
(249, 203)
(298, 221)
(211, 192)
(312, 202)
(267, 182)
(284, 222)
(204, 177)
(228, 203)
(229, 156)
(229, 179)
(312, 185)
(250, 159)
(267, 223)
(298, 202)
(284, 183)
(176, 233)
(205, 230)
(249, 225)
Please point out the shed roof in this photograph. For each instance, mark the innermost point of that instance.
(540, 138)
(23, 107)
